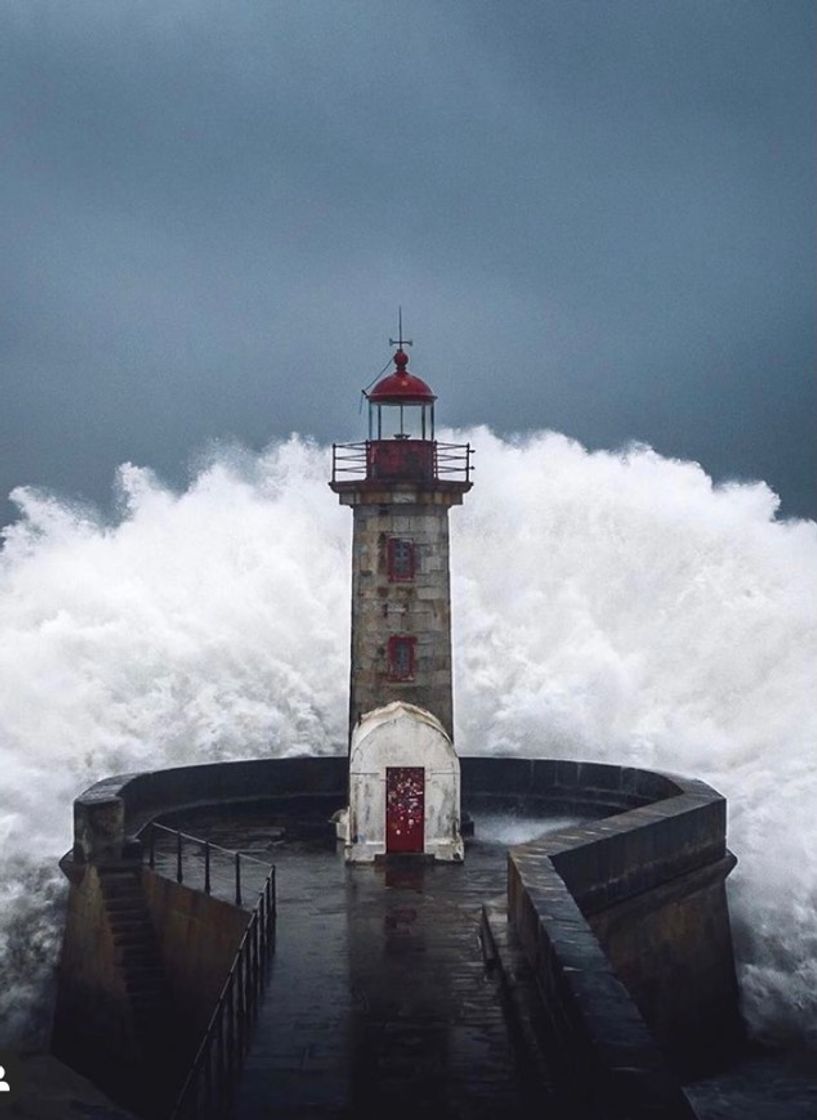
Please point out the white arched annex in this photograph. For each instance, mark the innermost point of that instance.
(404, 787)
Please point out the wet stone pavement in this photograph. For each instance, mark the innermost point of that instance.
(378, 1002)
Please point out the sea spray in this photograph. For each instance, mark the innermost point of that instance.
(619, 607)
(612, 606)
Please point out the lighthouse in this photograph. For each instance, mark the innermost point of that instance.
(400, 483)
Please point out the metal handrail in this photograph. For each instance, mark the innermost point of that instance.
(209, 848)
(209, 1086)
(210, 1082)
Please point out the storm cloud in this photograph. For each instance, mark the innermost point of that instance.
(598, 218)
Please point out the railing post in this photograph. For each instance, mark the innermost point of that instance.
(208, 1074)
(256, 975)
(248, 978)
(238, 878)
(230, 1011)
(274, 888)
(220, 1078)
(178, 857)
(206, 866)
(257, 963)
(239, 979)
(191, 1102)
(264, 936)
(152, 847)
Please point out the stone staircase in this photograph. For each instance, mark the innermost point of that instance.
(136, 952)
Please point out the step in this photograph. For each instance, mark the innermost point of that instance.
(132, 956)
(131, 914)
(136, 901)
(148, 1001)
(123, 894)
(120, 882)
(154, 968)
(135, 938)
(120, 905)
(149, 998)
(145, 986)
(144, 991)
(145, 980)
(141, 937)
(132, 925)
(144, 949)
(124, 922)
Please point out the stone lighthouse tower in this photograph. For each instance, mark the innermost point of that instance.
(401, 483)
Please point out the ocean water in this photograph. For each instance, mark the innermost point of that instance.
(609, 605)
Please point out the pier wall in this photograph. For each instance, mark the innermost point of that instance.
(94, 1030)
(622, 918)
(198, 939)
(624, 923)
(648, 880)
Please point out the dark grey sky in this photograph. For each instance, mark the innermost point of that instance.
(597, 214)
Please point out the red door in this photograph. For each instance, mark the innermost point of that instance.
(405, 808)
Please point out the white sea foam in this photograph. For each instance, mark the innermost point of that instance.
(606, 606)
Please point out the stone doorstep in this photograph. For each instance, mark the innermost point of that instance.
(404, 859)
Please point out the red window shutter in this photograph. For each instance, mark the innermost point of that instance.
(402, 659)
(401, 560)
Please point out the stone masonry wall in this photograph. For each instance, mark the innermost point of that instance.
(93, 1028)
(198, 939)
(419, 607)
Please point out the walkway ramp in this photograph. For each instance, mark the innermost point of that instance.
(379, 1001)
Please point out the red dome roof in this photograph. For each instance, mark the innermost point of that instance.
(401, 387)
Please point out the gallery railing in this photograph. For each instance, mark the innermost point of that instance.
(416, 460)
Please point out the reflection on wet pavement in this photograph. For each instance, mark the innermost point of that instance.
(378, 1001)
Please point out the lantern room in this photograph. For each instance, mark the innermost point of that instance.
(401, 427)
(401, 406)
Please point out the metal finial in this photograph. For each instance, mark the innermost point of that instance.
(401, 342)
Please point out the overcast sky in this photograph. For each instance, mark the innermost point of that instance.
(597, 214)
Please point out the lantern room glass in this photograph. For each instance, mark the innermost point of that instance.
(401, 421)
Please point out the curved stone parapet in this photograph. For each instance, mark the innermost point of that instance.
(109, 815)
(113, 811)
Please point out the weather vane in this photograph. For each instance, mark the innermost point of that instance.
(400, 341)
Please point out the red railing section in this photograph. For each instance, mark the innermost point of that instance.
(404, 460)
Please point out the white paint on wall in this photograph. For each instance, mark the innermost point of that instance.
(401, 734)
